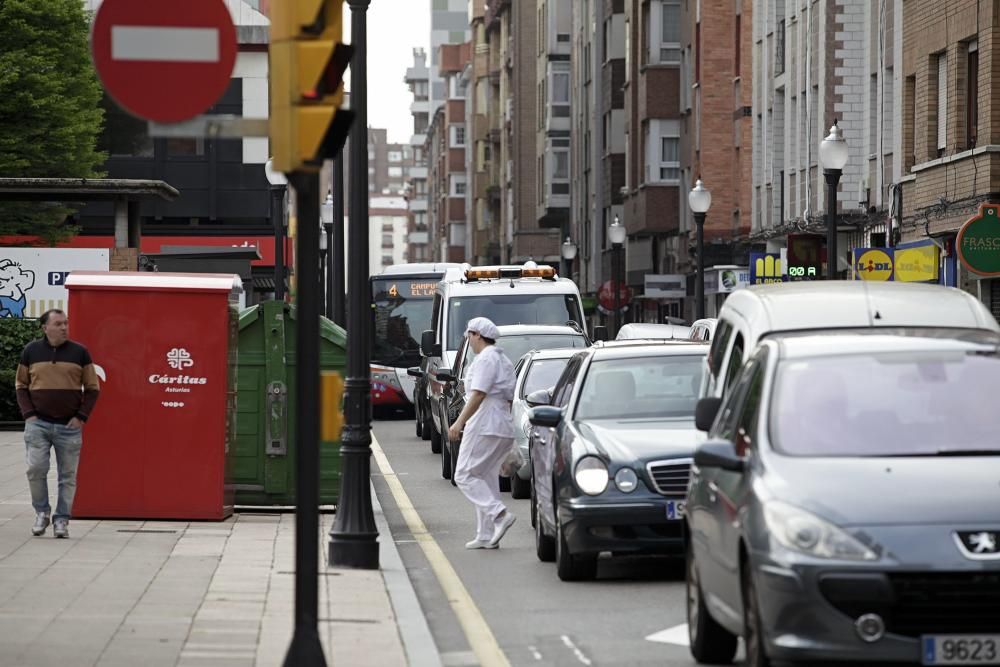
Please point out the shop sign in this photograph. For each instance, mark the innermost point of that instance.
(979, 242)
(724, 281)
(873, 264)
(670, 286)
(917, 263)
(766, 268)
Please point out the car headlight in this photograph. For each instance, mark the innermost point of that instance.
(626, 481)
(806, 533)
(591, 475)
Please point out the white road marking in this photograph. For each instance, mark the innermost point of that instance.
(164, 44)
(676, 635)
(576, 651)
(534, 653)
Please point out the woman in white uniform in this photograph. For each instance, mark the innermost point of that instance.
(489, 433)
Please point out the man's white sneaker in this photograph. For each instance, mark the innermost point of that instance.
(480, 544)
(505, 523)
(41, 523)
(60, 528)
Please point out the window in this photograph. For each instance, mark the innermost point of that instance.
(457, 136)
(387, 240)
(735, 363)
(666, 38)
(779, 49)
(737, 47)
(560, 162)
(559, 88)
(395, 156)
(942, 103)
(697, 52)
(628, 50)
(663, 160)
(458, 185)
(395, 172)
(972, 95)
(910, 121)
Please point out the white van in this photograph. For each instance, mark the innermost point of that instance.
(529, 294)
(751, 314)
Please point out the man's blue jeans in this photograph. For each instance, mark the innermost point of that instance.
(39, 438)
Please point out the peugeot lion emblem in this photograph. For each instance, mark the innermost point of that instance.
(979, 544)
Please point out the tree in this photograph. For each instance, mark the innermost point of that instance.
(50, 113)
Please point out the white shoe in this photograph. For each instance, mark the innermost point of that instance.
(505, 523)
(480, 544)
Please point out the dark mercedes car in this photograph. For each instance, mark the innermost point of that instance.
(611, 454)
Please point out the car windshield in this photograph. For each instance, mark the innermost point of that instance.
(517, 345)
(649, 387)
(510, 309)
(401, 309)
(892, 404)
(542, 374)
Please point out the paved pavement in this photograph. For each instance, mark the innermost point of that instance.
(178, 593)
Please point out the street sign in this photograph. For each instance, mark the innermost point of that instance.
(606, 295)
(164, 61)
(978, 242)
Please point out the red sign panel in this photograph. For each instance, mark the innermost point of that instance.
(164, 61)
(606, 295)
(155, 244)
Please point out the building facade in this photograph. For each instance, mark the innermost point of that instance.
(388, 164)
(651, 204)
(810, 68)
(418, 79)
(388, 230)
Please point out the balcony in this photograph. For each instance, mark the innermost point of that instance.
(480, 127)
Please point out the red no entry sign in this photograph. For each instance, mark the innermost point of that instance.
(164, 61)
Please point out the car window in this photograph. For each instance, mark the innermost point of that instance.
(641, 387)
(542, 374)
(735, 363)
(436, 315)
(730, 412)
(517, 345)
(750, 412)
(467, 355)
(717, 351)
(564, 387)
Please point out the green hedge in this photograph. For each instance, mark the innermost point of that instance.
(14, 335)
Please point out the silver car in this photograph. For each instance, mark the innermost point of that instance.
(846, 505)
(537, 370)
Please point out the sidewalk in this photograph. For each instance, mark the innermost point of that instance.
(176, 593)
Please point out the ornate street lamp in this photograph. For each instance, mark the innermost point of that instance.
(617, 235)
(569, 250)
(833, 156)
(700, 200)
(327, 248)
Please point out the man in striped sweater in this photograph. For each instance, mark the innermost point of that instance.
(57, 389)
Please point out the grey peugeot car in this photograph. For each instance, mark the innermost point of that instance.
(846, 504)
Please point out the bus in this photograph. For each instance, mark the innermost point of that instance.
(402, 297)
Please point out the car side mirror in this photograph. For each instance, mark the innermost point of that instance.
(600, 333)
(445, 375)
(539, 397)
(705, 412)
(545, 416)
(428, 347)
(414, 372)
(719, 454)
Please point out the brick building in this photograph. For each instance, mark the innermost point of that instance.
(951, 122)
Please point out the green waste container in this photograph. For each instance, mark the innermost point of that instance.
(264, 471)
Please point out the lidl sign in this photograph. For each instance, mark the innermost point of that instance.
(874, 264)
(979, 242)
(916, 263)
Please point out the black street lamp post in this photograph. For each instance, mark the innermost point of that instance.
(328, 245)
(700, 200)
(278, 187)
(353, 538)
(339, 308)
(833, 156)
(617, 235)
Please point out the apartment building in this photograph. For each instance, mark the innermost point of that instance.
(503, 186)
(387, 232)
(812, 67)
(651, 207)
(950, 128)
(716, 68)
(449, 25)
(418, 79)
(597, 109)
(445, 149)
(388, 164)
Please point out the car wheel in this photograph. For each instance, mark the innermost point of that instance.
(505, 484)
(582, 567)
(710, 643)
(519, 488)
(534, 504)
(753, 638)
(435, 439)
(545, 545)
(419, 422)
(428, 431)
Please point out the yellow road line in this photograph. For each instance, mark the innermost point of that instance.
(476, 630)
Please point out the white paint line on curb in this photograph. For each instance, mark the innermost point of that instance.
(676, 635)
(478, 633)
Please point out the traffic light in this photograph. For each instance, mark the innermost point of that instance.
(331, 411)
(306, 69)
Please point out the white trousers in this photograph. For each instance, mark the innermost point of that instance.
(477, 474)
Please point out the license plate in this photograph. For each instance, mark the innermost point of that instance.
(961, 649)
(675, 509)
